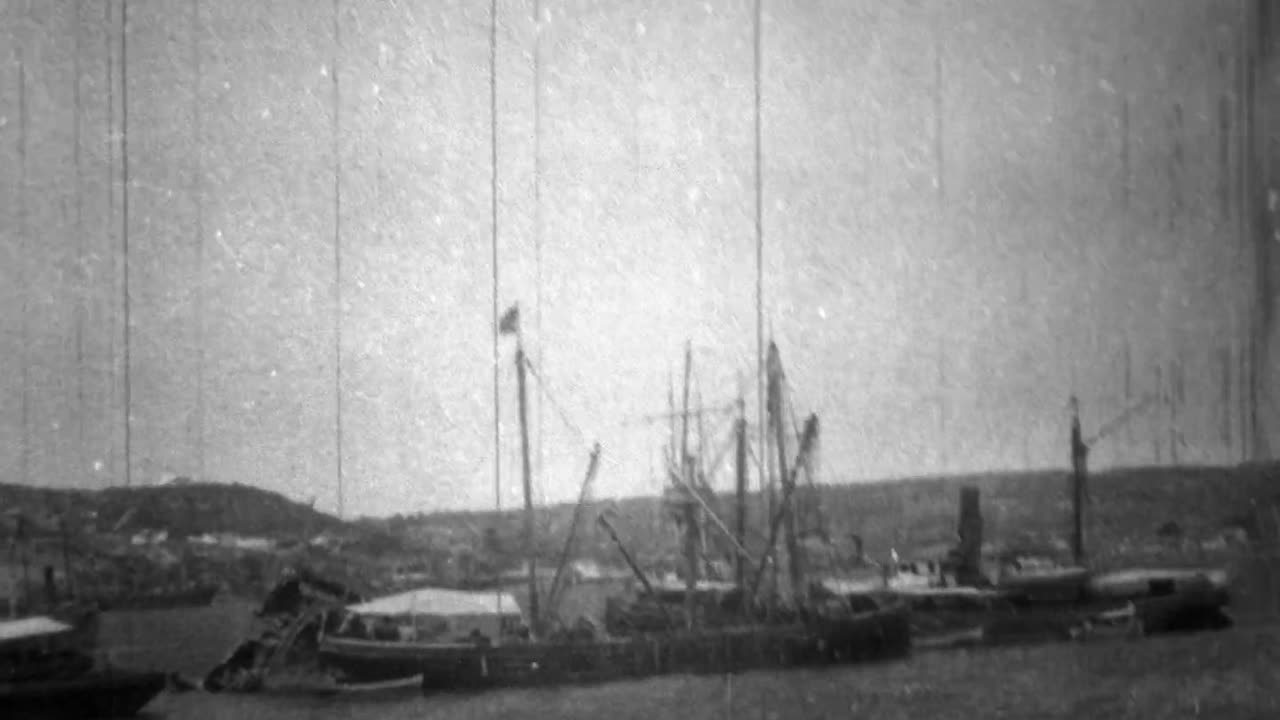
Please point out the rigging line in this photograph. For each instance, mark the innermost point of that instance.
(555, 405)
(198, 182)
(337, 255)
(82, 275)
(759, 232)
(110, 72)
(124, 209)
(493, 218)
(537, 222)
(26, 282)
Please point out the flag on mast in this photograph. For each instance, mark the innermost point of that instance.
(510, 322)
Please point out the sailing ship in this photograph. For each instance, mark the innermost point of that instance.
(47, 670)
(723, 627)
(966, 598)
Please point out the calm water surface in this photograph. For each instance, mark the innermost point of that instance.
(656, 698)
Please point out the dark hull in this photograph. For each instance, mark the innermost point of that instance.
(880, 636)
(1007, 619)
(106, 694)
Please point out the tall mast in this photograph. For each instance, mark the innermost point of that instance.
(124, 209)
(671, 414)
(107, 20)
(537, 217)
(26, 282)
(779, 425)
(1079, 456)
(337, 258)
(684, 413)
(740, 506)
(81, 285)
(198, 192)
(766, 492)
(688, 507)
(528, 488)
(493, 226)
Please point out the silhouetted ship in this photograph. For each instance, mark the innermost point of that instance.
(966, 599)
(451, 639)
(47, 670)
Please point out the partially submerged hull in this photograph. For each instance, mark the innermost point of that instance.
(879, 635)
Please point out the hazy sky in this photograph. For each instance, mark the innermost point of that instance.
(985, 271)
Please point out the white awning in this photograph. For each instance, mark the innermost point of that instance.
(30, 627)
(440, 601)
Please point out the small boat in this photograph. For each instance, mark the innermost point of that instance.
(392, 639)
(46, 671)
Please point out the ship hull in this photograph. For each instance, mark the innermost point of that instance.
(1073, 610)
(105, 694)
(882, 635)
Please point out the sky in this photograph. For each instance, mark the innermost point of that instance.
(969, 211)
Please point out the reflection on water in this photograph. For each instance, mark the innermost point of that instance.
(654, 698)
(1228, 674)
(204, 706)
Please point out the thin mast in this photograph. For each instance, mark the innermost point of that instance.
(124, 209)
(689, 508)
(788, 477)
(337, 256)
(197, 192)
(111, 176)
(26, 282)
(537, 218)
(938, 105)
(493, 223)
(82, 288)
(740, 507)
(534, 617)
(1079, 474)
(684, 413)
(766, 491)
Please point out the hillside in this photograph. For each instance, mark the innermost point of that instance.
(1136, 513)
(1128, 507)
(179, 509)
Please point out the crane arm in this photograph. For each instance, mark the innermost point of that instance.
(1118, 421)
(775, 523)
(603, 522)
(553, 595)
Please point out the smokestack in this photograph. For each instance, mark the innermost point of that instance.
(50, 588)
(970, 531)
(856, 539)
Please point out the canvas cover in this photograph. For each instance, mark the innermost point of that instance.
(30, 627)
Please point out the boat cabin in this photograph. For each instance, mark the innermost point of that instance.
(432, 615)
